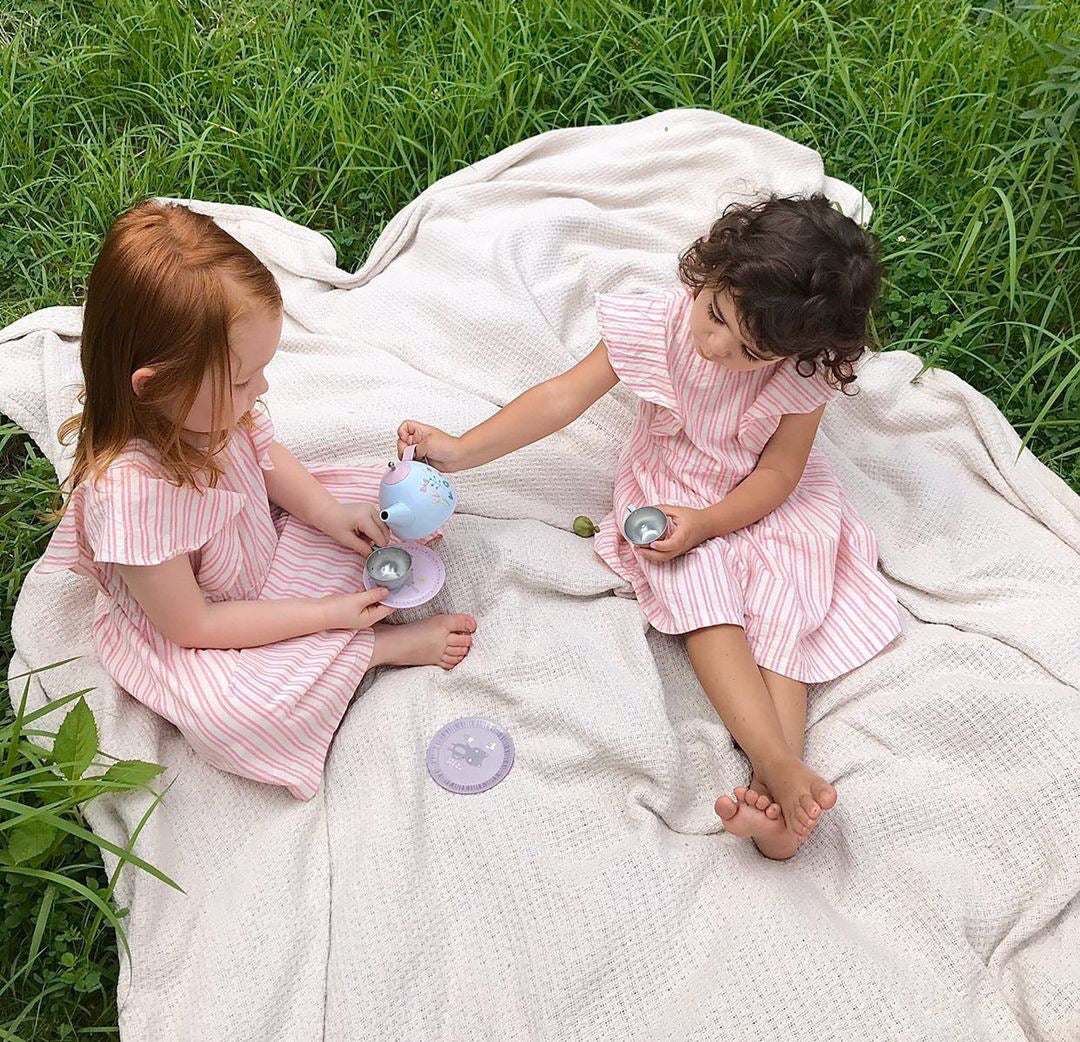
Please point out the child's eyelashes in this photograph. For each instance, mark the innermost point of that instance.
(242, 385)
(717, 317)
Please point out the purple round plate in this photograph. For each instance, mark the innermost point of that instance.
(470, 755)
(426, 579)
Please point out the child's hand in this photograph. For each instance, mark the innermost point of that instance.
(441, 450)
(355, 611)
(355, 525)
(686, 529)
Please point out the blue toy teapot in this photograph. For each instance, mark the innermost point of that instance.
(414, 499)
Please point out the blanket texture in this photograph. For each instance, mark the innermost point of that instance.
(593, 895)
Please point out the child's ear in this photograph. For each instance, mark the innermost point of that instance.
(139, 379)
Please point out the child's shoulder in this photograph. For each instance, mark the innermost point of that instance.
(136, 459)
(647, 305)
(259, 430)
(814, 379)
(132, 468)
(643, 319)
(139, 465)
(795, 388)
(133, 512)
(138, 475)
(638, 331)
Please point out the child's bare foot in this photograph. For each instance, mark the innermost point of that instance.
(802, 794)
(742, 818)
(442, 640)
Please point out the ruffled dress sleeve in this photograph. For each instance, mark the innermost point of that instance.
(636, 329)
(130, 516)
(786, 392)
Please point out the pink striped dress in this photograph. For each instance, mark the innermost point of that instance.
(803, 581)
(266, 713)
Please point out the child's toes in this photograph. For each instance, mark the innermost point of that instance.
(459, 640)
(823, 793)
(772, 811)
(809, 806)
(726, 807)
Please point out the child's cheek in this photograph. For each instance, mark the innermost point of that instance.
(198, 417)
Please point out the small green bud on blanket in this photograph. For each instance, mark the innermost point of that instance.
(584, 527)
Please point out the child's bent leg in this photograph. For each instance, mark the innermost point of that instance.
(789, 698)
(442, 640)
(735, 686)
(726, 670)
(776, 843)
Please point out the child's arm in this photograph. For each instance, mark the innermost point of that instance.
(540, 411)
(173, 602)
(293, 488)
(779, 469)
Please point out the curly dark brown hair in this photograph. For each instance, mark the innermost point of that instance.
(804, 279)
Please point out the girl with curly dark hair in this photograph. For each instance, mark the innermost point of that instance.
(764, 566)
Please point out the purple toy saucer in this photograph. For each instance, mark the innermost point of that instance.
(470, 755)
(425, 580)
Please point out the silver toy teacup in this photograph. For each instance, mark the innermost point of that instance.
(644, 525)
(389, 566)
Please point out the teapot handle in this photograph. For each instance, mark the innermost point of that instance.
(408, 455)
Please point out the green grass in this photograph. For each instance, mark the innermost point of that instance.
(959, 122)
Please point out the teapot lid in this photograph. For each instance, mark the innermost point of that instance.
(396, 472)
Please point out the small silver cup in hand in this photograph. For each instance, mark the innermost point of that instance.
(644, 525)
(389, 566)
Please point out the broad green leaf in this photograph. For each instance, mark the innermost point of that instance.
(90, 980)
(132, 772)
(77, 741)
(30, 840)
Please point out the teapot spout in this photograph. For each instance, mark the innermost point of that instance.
(397, 515)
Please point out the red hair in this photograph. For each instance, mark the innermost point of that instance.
(162, 294)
